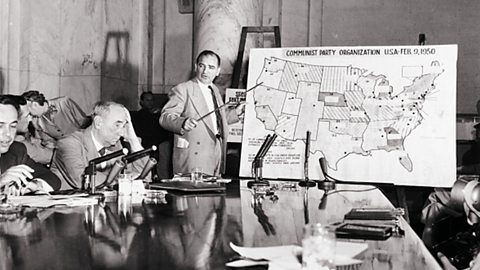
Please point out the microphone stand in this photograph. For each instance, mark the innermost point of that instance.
(307, 182)
(91, 171)
(329, 183)
(257, 163)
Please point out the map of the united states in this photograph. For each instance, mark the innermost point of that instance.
(347, 109)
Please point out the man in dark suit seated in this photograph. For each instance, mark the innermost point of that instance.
(19, 173)
(145, 123)
(111, 121)
(450, 226)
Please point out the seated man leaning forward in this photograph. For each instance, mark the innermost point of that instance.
(111, 121)
(19, 173)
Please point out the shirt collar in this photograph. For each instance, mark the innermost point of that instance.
(203, 86)
(98, 145)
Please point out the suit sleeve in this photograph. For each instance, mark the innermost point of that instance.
(437, 207)
(77, 114)
(40, 171)
(172, 117)
(70, 162)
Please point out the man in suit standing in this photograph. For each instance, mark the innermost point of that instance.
(199, 142)
(111, 121)
(19, 173)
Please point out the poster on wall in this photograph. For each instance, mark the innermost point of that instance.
(381, 114)
(235, 130)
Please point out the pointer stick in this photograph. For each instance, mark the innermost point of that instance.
(228, 103)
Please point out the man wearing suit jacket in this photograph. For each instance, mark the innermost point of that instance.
(19, 173)
(55, 118)
(199, 143)
(111, 121)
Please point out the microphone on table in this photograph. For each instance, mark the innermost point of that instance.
(113, 173)
(147, 168)
(327, 184)
(257, 163)
(91, 168)
(139, 154)
(306, 182)
(136, 155)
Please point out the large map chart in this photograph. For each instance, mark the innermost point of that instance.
(376, 114)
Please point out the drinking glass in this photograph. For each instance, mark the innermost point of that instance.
(318, 247)
(196, 174)
(125, 184)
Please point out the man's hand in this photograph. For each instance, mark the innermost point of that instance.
(130, 134)
(240, 109)
(17, 175)
(446, 264)
(189, 124)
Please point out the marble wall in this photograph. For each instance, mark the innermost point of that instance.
(218, 26)
(115, 49)
(88, 50)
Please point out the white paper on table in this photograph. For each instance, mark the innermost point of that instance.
(45, 201)
(284, 257)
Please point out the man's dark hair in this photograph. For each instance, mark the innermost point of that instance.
(35, 96)
(8, 100)
(208, 53)
(142, 96)
(17, 99)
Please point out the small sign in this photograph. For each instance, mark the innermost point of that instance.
(235, 130)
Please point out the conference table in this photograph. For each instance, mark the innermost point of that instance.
(194, 230)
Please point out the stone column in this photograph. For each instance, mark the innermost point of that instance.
(218, 26)
(10, 47)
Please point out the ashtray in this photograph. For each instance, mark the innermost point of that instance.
(154, 196)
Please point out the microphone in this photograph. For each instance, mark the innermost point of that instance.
(327, 184)
(115, 154)
(113, 173)
(91, 168)
(134, 156)
(268, 145)
(257, 163)
(307, 182)
(257, 156)
(323, 165)
(148, 167)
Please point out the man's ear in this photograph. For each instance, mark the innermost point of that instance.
(97, 121)
(218, 71)
(34, 105)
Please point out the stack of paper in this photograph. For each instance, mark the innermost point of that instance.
(44, 201)
(285, 257)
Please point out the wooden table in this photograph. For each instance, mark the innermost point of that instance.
(192, 231)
